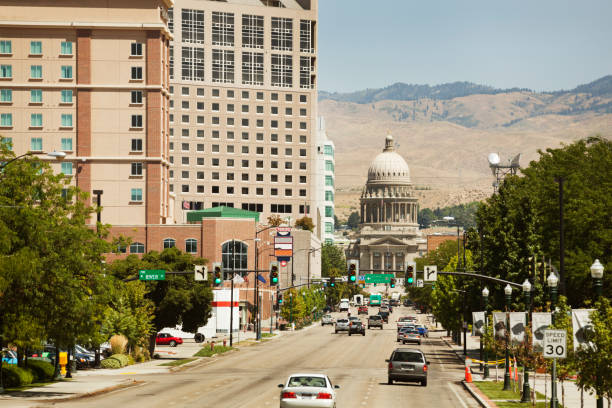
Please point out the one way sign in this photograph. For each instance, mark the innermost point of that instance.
(430, 274)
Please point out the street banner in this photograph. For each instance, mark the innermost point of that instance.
(518, 321)
(478, 324)
(499, 325)
(581, 323)
(539, 323)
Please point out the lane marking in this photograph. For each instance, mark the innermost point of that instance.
(463, 404)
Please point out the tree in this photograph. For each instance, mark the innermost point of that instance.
(331, 257)
(353, 220)
(275, 220)
(425, 217)
(305, 223)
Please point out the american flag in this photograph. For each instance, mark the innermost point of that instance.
(186, 205)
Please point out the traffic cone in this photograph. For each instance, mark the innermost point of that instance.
(516, 377)
(468, 375)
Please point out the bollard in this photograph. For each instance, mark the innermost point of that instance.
(212, 345)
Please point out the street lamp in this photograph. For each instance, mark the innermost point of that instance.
(485, 298)
(553, 281)
(526, 391)
(508, 293)
(51, 155)
(597, 271)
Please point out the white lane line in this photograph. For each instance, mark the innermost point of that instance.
(463, 404)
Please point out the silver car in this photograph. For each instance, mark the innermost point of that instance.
(406, 364)
(411, 336)
(308, 390)
(401, 332)
(342, 325)
(327, 319)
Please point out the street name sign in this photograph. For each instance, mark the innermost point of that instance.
(378, 277)
(555, 343)
(430, 273)
(152, 274)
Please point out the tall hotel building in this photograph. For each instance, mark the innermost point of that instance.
(243, 106)
(90, 78)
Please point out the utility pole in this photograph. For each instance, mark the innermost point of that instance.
(561, 180)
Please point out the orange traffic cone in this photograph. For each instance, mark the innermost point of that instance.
(516, 377)
(468, 375)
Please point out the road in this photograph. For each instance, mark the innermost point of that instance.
(249, 377)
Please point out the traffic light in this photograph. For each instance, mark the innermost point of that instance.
(273, 273)
(353, 270)
(279, 299)
(410, 273)
(217, 273)
(332, 281)
(392, 282)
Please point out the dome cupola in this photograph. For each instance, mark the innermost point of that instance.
(389, 167)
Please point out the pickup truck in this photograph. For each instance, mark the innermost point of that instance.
(375, 321)
(327, 319)
(404, 321)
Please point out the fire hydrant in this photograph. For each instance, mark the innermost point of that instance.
(212, 345)
(224, 342)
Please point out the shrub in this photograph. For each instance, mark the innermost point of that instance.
(122, 358)
(110, 363)
(42, 370)
(118, 343)
(14, 376)
(130, 360)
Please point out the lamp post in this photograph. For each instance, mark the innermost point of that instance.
(526, 391)
(508, 293)
(291, 309)
(597, 271)
(485, 298)
(553, 281)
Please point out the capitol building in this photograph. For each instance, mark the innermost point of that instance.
(389, 232)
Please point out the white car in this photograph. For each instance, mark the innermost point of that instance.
(308, 390)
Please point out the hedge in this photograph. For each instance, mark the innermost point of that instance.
(110, 363)
(122, 358)
(14, 376)
(42, 370)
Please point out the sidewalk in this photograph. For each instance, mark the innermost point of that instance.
(542, 381)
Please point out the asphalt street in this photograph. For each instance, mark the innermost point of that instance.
(249, 377)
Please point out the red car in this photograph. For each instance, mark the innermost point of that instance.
(167, 339)
(362, 310)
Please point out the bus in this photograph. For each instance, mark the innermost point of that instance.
(375, 300)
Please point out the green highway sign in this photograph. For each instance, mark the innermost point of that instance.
(152, 274)
(379, 277)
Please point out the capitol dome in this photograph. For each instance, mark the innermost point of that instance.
(389, 167)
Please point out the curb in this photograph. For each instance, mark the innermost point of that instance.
(453, 350)
(126, 384)
(475, 395)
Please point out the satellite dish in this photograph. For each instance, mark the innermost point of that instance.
(493, 159)
(515, 161)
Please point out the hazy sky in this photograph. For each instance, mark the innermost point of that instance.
(537, 44)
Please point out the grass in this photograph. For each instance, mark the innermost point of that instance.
(493, 390)
(178, 362)
(207, 352)
(268, 334)
(33, 385)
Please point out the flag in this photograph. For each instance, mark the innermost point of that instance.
(238, 279)
(261, 278)
(539, 322)
(518, 321)
(478, 328)
(499, 324)
(581, 323)
(186, 205)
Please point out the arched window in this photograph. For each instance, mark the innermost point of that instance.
(191, 246)
(234, 256)
(137, 248)
(169, 243)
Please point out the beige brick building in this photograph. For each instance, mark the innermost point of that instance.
(243, 106)
(91, 79)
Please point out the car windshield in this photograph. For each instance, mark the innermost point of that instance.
(307, 381)
(342, 320)
(375, 317)
(408, 356)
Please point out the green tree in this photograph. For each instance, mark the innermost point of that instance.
(331, 257)
(353, 220)
(305, 223)
(425, 217)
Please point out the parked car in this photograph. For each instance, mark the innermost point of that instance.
(375, 321)
(362, 310)
(9, 356)
(341, 325)
(327, 319)
(356, 327)
(308, 390)
(411, 336)
(163, 339)
(406, 364)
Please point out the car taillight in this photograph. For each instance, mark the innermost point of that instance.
(390, 365)
(425, 368)
(288, 394)
(324, 395)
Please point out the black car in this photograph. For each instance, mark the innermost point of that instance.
(356, 327)
(385, 315)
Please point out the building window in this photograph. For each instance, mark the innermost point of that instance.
(136, 121)
(252, 31)
(35, 48)
(66, 48)
(137, 248)
(6, 71)
(137, 145)
(36, 144)
(252, 68)
(329, 181)
(66, 96)
(329, 227)
(191, 246)
(67, 72)
(66, 120)
(171, 62)
(136, 194)
(302, 192)
(67, 144)
(6, 95)
(282, 70)
(136, 73)
(6, 119)
(288, 192)
(136, 169)
(303, 98)
(169, 243)
(67, 168)
(235, 256)
(329, 196)
(223, 29)
(192, 26)
(36, 96)
(7, 142)
(6, 47)
(136, 97)
(136, 49)
(36, 71)
(288, 165)
(282, 34)
(223, 66)
(36, 120)
(305, 68)
(329, 165)
(328, 150)
(192, 64)
(306, 36)
(329, 211)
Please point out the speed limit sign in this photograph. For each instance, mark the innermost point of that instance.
(555, 343)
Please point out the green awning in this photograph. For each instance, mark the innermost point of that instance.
(221, 212)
